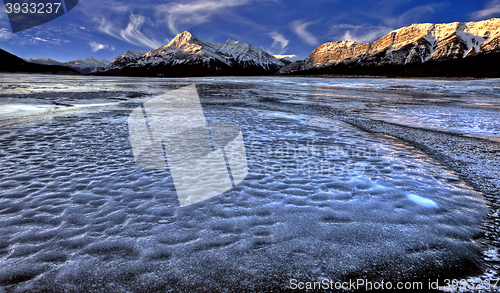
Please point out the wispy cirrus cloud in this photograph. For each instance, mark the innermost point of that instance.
(118, 19)
(131, 34)
(388, 21)
(96, 47)
(112, 8)
(44, 39)
(358, 33)
(106, 27)
(492, 9)
(280, 42)
(193, 13)
(412, 15)
(299, 27)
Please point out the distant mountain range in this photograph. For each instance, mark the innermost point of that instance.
(287, 59)
(83, 66)
(12, 63)
(454, 49)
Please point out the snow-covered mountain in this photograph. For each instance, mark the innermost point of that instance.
(83, 66)
(182, 49)
(249, 55)
(415, 44)
(289, 58)
(186, 55)
(124, 59)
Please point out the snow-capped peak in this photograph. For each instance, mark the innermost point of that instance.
(132, 54)
(90, 62)
(474, 34)
(182, 40)
(290, 58)
(243, 52)
(185, 47)
(181, 48)
(185, 50)
(235, 49)
(125, 58)
(187, 42)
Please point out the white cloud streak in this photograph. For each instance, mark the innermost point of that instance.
(299, 27)
(413, 15)
(107, 27)
(363, 33)
(492, 9)
(133, 34)
(142, 26)
(5, 34)
(280, 41)
(358, 33)
(40, 39)
(96, 47)
(185, 15)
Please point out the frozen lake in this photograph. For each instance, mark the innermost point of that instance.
(322, 198)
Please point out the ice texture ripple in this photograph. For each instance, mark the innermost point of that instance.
(77, 214)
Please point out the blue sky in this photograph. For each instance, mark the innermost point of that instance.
(108, 28)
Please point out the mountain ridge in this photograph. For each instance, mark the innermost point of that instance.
(83, 66)
(287, 59)
(414, 44)
(187, 55)
(470, 48)
(13, 64)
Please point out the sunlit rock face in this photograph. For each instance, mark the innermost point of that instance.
(452, 47)
(417, 43)
(493, 44)
(336, 52)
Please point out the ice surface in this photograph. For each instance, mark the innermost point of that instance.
(39, 83)
(474, 122)
(322, 199)
(79, 215)
(469, 107)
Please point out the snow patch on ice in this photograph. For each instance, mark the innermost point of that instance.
(17, 110)
(422, 201)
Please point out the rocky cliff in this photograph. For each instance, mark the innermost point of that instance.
(415, 44)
